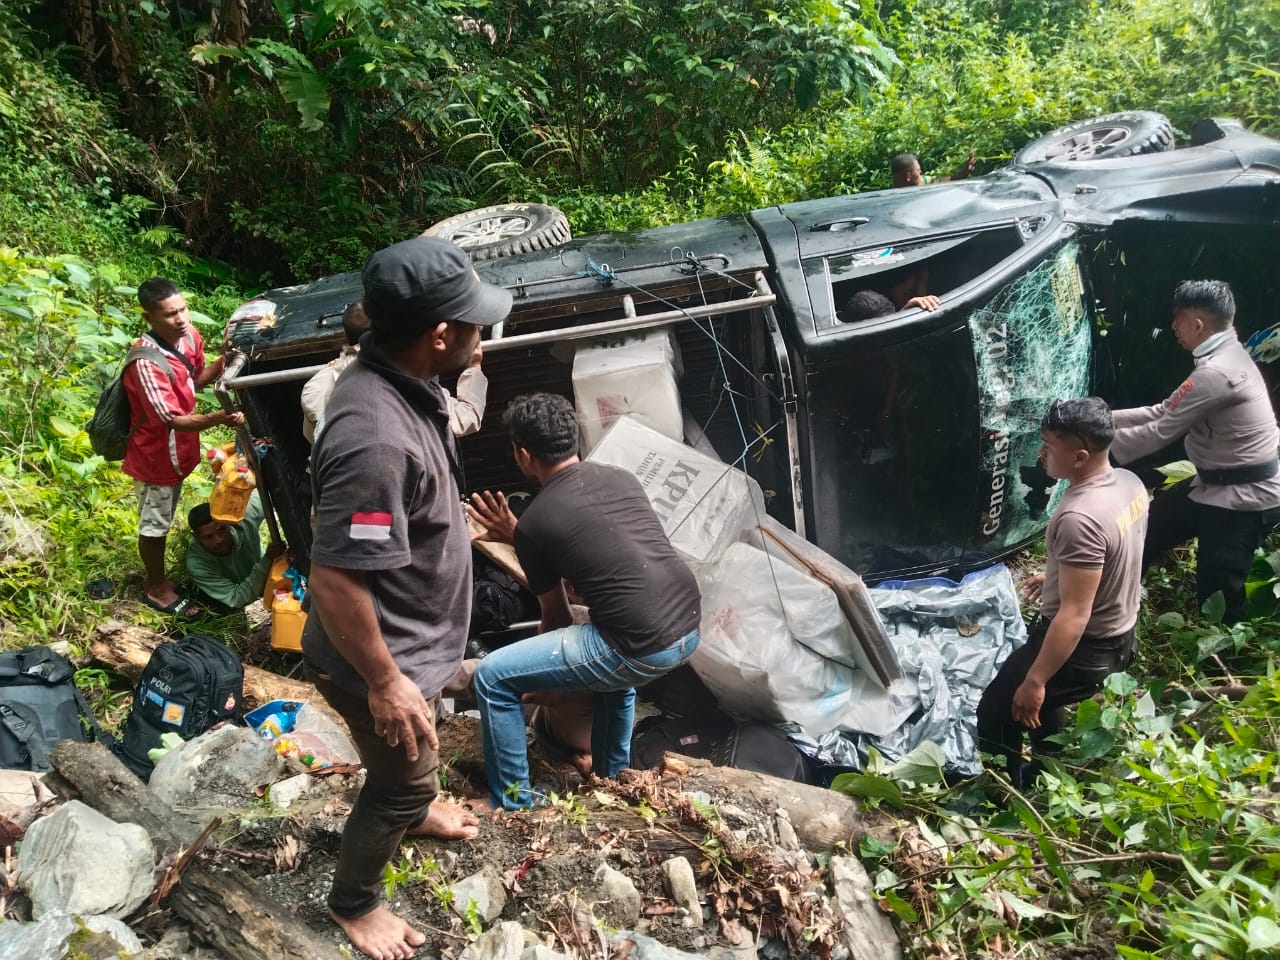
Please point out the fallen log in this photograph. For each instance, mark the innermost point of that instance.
(822, 818)
(224, 905)
(126, 648)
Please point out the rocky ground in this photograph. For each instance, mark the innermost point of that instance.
(661, 864)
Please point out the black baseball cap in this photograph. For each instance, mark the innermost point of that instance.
(411, 286)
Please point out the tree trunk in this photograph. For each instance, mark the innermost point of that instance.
(224, 905)
(126, 648)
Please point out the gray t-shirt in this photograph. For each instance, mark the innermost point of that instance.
(386, 482)
(1101, 522)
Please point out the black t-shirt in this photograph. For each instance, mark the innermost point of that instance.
(593, 526)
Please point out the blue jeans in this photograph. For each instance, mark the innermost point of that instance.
(574, 658)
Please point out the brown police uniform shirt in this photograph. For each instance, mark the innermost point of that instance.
(1101, 522)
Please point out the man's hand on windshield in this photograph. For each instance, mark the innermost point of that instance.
(492, 512)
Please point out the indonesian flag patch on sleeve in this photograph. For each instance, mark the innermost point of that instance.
(371, 526)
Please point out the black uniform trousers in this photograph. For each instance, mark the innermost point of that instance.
(1079, 678)
(1227, 541)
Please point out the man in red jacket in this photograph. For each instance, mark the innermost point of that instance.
(165, 444)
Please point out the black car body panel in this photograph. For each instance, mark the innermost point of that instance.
(904, 444)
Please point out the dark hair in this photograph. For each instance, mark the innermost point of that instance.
(1088, 419)
(198, 516)
(151, 292)
(1213, 298)
(866, 305)
(545, 424)
(902, 163)
(354, 321)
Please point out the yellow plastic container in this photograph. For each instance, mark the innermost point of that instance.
(216, 457)
(276, 580)
(231, 496)
(287, 621)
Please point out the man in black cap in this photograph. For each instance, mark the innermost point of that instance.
(391, 534)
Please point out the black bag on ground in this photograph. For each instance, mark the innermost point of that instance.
(187, 687)
(40, 705)
(748, 746)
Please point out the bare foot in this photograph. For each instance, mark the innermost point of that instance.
(381, 935)
(447, 821)
(481, 805)
(582, 763)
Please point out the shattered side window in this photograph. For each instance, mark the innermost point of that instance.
(1032, 344)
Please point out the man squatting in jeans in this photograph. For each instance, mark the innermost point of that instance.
(592, 525)
(1088, 593)
(390, 582)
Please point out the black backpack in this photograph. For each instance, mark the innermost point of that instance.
(111, 426)
(497, 599)
(188, 686)
(40, 705)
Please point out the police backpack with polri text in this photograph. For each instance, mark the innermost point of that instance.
(40, 705)
(188, 686)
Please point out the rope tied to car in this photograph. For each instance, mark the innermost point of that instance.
(601, 273)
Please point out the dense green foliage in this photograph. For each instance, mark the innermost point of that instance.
(235, 150)
(289, 142)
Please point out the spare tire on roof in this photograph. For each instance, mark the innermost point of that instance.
(1111, 135)
(504, 229)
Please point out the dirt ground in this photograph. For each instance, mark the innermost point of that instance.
(547, 858)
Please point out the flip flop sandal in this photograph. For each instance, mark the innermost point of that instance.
(101, 589)
(182, 608)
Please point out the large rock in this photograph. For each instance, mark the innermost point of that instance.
(76, 861)
(868, 931)
(485, 890)
(59, 937)
(503, 942)
(21, 540)
(635, 946)
(677, 877)
(217, 771)
(617, 896)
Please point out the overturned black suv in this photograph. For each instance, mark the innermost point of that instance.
(903, 443)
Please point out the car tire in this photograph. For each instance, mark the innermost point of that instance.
(1111, 135)
(504, 229)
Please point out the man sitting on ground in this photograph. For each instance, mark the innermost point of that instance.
(1088, 593)
(592, 525)
(466, 409)
(226, 560)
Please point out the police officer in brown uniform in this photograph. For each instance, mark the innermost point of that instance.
(1223, 411)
